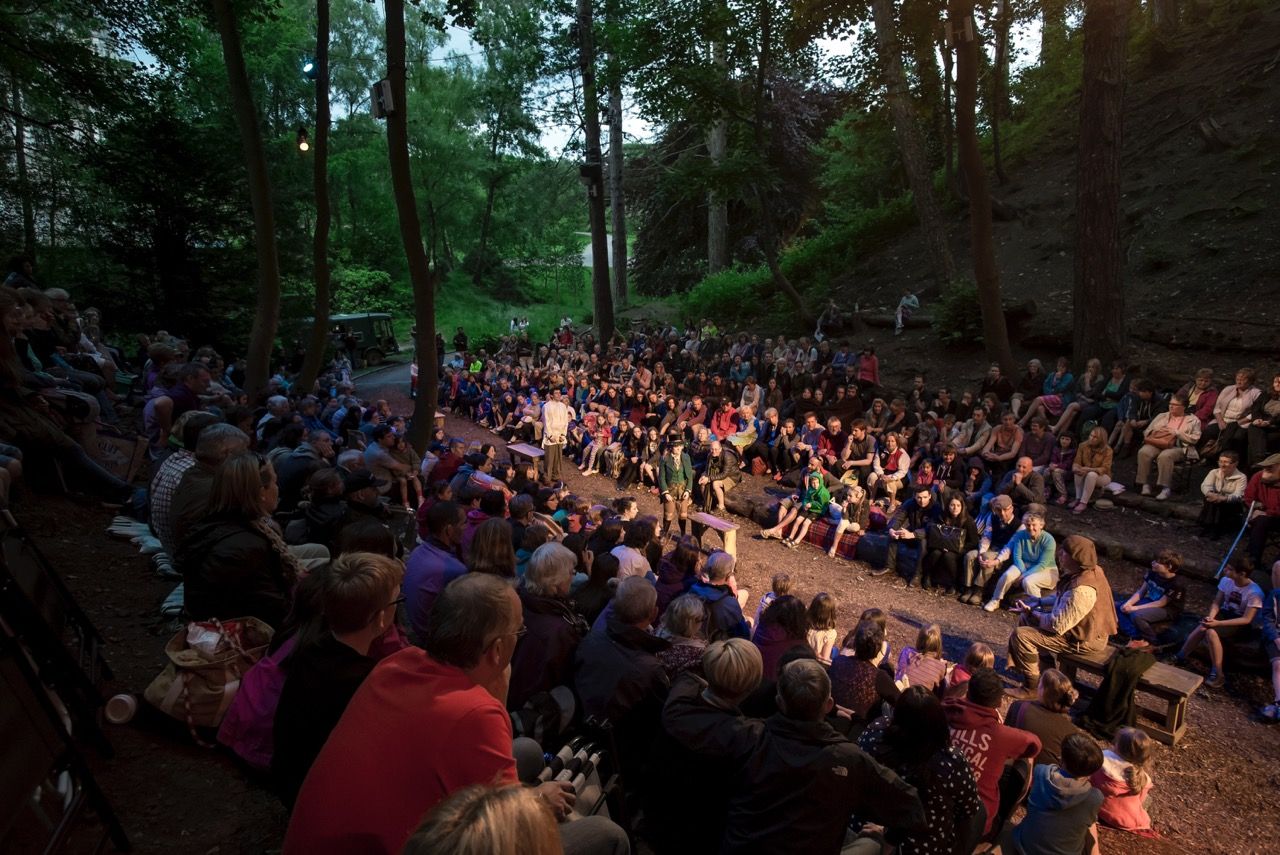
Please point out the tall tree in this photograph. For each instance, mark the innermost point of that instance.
(24, 180)
(594, 176)
(819, 16)
(420, 274)
(319, 338)
(1098, 295)
(986, 272)
(617, 193)
(267, 314)
(1000, 83)
(717, 147)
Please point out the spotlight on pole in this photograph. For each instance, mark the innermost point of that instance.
(309, 68)
(303, 143)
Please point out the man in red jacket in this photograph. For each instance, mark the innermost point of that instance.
(989, 745)
(424, 724)
(1263, 488)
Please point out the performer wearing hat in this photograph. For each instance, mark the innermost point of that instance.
(675, 483)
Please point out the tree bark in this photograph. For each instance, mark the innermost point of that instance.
(717, 146)
(319, 337)
(999, 84)
(949, 138)
(986, 273)
(24, 181)
(267, 314)
(420, 274)
(603, 296)
(911, 144)
(1164, 16)
(617, 197)
(1098, 295)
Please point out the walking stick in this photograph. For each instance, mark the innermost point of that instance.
(1248, 516)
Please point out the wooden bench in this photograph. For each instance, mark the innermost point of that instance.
(520, 450)
(439, 421)
(1168, 683)
(728, 531)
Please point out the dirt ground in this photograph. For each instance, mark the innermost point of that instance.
(173, 796)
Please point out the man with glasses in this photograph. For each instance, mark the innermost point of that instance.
(426, 723)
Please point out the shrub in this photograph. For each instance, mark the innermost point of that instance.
(728, 294)
(957, 317)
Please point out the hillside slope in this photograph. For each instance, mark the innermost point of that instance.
(1202, 222)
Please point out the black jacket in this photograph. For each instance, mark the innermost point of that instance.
(229, 570)
(619, 679)
(799, 787)
(544, 656)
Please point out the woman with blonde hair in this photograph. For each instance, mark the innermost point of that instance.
(503, 820)
(684, 624)
(1091, 468)
(235, 562)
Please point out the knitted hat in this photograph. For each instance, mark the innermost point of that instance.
(1082, 550)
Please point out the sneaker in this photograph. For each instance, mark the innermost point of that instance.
(880, 571)
(1270, 713)
(992, 606)
(1165, 493)
(1216, 679)
(1147, 491)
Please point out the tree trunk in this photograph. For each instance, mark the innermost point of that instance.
(617, 192)
(1098, 295)
(617, 197)
(995, 334)
(999, 84)
(769, 226)
(267, 314)
(1164, 17)
(1053, 27)
(319, 338)
(603, 297)
(491, 192)
(420, 274)
(717, 146)
(24, 182)
(949, 138)
(911, 144)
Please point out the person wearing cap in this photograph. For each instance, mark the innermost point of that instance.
(675, 485)
(555, 428)
(992, 554)
(1263, 488)
(1078, 618)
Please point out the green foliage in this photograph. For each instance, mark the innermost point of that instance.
(957, 317)
(728, 294)
(813, 264)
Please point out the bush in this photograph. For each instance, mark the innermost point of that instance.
(728, 294)
(813, 264)
(957, 319)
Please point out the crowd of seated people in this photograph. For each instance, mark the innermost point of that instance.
(413, 665)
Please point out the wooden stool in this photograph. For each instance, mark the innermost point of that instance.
(523, 450)
(1172, 685)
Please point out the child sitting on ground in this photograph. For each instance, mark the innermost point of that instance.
(1062, 807)
(923, 664)
(977, 656)
(780, 587)
(1158, 599)
(1124, 781)
(1061, 460)
(855, 515)
(822, 626)
(1230, 616)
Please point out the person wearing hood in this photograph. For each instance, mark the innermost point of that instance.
(1078, 618)
(978, 733)
(724, 618)
(1062, 807)
(544, 656)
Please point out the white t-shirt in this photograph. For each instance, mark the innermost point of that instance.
(1239, 599)
(631, 561)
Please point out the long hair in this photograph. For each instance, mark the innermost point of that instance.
(492, 550)
(1135, 746)
(918, 729)
(238, 484)
(507, 820)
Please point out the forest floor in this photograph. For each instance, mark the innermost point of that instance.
(173, 796)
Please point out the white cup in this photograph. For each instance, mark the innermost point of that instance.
(121, 709)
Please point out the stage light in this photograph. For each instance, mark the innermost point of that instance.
(303, 143)
(309, 68)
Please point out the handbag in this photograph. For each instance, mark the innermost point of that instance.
(207, 660)
(1162, 439)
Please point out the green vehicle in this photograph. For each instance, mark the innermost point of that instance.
(366, 336)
